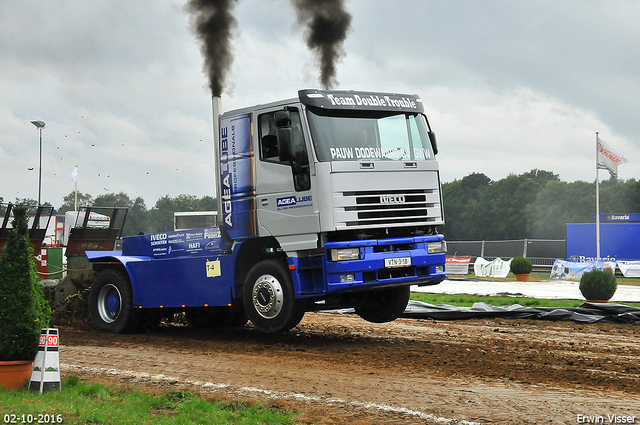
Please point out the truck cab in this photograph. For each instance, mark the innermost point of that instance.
(330, 199)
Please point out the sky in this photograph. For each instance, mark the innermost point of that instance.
(508, 86)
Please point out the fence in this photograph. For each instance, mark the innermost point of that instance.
(541, 252)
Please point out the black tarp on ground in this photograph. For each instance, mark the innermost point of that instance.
(586, 313)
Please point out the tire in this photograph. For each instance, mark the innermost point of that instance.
(384, 305)
(269, 299)
(111, 302)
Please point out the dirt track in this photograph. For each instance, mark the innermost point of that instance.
(340, 369)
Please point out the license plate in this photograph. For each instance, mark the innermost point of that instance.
(397, 262)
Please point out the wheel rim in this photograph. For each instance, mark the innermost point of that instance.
(267, 296)
(109, 303)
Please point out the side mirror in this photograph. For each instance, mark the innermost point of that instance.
(282, 118)
(285, 135)
(434, 144)
(285, 143)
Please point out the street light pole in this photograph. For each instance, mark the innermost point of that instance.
(40, 125)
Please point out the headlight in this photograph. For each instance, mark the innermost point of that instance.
(437, 247)
(344, 254)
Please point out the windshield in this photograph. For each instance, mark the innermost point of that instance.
(397, 137)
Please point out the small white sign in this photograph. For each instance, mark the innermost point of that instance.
(213, 268)
(397, 262)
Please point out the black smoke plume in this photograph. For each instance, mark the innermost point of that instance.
(327, 24)
(215, 25)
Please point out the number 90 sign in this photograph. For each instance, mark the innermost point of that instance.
(48, 340)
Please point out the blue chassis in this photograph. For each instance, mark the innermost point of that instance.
(196, 268)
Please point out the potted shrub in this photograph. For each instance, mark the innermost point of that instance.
(598, 285)
(521, 267)
(23, 309)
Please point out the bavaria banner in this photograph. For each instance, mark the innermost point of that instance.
(495, 268)
(570, 270)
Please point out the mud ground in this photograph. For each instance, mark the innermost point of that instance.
(339, 369)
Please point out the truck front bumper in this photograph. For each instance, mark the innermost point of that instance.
(386, 262)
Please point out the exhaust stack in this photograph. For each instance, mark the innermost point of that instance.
(216, 102)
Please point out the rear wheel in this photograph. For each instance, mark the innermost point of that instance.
(111, 302)
(384, 305)
(269, 298)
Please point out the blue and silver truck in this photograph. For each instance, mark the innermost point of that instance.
(328, 200)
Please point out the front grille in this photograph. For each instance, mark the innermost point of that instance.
(387, 207)
(396, 273)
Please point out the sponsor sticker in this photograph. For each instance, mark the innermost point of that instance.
(291, 202)
(159, 239)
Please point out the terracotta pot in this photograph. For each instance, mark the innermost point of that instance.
(15, 374)
(522, 277)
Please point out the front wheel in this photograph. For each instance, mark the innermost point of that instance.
(269, 298)
(111, 302)
(384, 305)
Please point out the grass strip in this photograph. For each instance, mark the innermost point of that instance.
(81, 402)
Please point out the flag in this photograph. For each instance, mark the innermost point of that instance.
(608, 159)
(74, 174)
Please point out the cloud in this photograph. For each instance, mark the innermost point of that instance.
(583, 56)
(512, 133)
(508, 86)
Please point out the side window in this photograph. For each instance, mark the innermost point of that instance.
(298, 157)
(268, 138)
(422, 148)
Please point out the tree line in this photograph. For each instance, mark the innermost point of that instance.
(533, 205)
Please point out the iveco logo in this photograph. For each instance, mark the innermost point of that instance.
(392, 199)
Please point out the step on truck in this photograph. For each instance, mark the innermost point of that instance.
(328, 200)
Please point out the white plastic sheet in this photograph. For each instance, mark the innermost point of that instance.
(495, 268)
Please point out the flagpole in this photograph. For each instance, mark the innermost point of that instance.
(606, 158)
(597, 202)
(75, 197)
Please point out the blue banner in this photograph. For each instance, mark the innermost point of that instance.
(619, 241)
(618, 218)
(236, 177)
